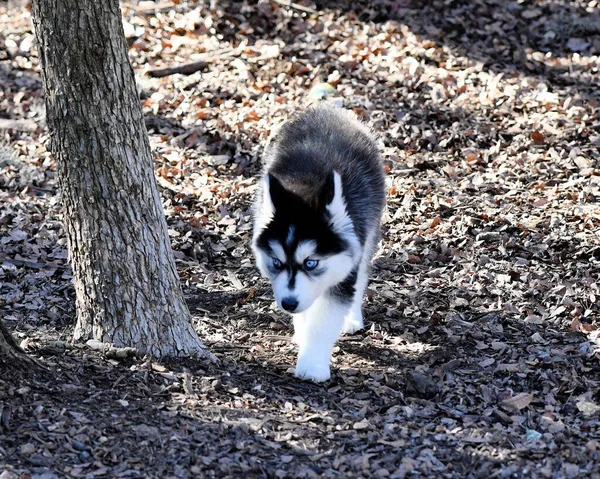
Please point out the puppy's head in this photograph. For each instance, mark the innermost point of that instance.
(303, 245)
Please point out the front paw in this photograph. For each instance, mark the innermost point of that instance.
(353, 322)
(312, 371)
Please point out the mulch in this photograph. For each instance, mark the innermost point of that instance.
(480, 353)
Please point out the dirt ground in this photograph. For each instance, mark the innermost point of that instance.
(481, 353)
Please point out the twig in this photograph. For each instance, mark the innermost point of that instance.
(20, 125)
(116, 383)
(16, 31)
(227, 347)
(276, 337)
(159, 8)
(186, 69)
(297, 6)
(356, 338)
(193, 67)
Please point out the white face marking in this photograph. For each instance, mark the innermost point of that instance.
(278, 251)
(306, 249)
(306, 287)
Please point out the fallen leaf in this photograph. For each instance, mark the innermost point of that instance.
(586, 406)
(577, 44)
(518, 402)
(537, 137)
(364, 424)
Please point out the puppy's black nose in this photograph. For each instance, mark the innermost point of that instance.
(289, 304)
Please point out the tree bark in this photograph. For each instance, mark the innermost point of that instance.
(127, 287)
(11, 355)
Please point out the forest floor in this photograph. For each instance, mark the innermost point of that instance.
(481, 353)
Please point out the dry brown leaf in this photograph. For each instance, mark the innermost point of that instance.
(537, 137)
(435, 221)
(518, 402)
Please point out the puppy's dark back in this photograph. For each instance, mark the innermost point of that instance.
(309, 147)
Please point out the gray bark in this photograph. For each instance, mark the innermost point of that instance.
(127, 287)
(10, 353)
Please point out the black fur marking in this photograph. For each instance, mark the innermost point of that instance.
(327, 192)
(345, 290)
(293, 272)
(304, 155)
(300, 165)
(308, 217)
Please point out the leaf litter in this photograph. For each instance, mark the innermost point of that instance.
(480, 356)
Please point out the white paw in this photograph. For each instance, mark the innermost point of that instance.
(312, 371)
(353, 322)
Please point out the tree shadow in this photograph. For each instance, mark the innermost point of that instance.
(248, 417)
(217, 302)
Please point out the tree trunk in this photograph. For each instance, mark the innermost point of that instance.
(10, 353)
(127, 287)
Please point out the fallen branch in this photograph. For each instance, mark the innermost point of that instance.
(159, 8)
(20, 125)
(186, 69)
(39, 346)
(110, 351)
(193, 67)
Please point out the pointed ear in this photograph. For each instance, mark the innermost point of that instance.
(267, 202)
(327, 192)
(264, 209)
(273, 188)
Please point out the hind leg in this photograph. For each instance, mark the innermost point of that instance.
(315, 331)
(353, 321)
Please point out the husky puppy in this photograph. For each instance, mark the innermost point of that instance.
(316, 226)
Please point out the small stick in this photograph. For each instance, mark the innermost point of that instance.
(158, 8)
(193, 67)
(20, 125)
(302, 8)
(186, 69)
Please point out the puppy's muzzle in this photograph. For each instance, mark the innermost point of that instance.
(289, 304)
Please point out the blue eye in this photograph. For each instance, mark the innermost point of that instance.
(310, 264)
(277, 264)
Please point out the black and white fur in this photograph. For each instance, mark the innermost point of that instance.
(316, 226)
